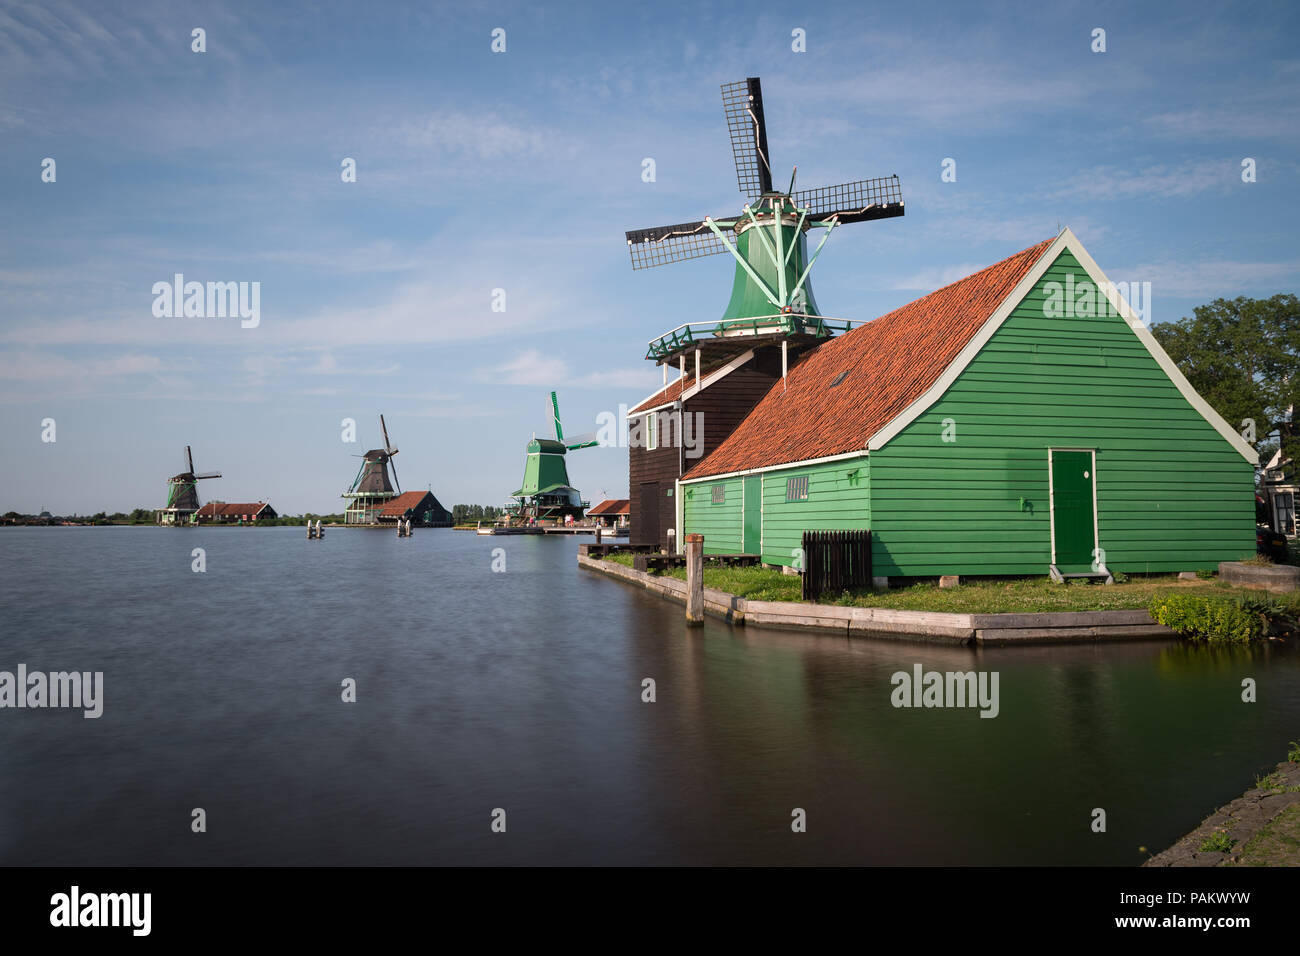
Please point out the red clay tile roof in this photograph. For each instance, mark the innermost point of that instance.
(224, 509)
(614, 506)
(399, 506)
(890, 362)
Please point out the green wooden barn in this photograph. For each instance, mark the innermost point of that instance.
(1019, 420)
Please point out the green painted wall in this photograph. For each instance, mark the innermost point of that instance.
(1172, 494)
(719, 523)
(836, 502)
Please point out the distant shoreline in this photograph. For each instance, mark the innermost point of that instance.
(129, 524)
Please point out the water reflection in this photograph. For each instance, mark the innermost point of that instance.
(522, 690)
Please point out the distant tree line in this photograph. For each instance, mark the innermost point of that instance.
(149, 516)
(138, 516)
(291, 520)
(464, 514)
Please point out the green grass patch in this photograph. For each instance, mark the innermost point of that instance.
(993, 596)
(1218, 842)
(1276, 843)
(1024, 595)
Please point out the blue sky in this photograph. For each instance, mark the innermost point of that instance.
(520, 171)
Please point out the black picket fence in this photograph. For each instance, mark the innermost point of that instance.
(834, 561)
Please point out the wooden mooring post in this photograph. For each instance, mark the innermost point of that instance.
(695, 579)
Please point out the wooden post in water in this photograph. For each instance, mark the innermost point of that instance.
(695, 579)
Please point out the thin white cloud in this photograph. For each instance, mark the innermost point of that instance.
(51, 368)
(534, 368)
(1215, 278)
(927, 280)
(1162, 180)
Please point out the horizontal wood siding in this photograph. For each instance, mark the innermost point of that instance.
(659, 465)
(1172, 494)
(836, 502)
(720, 523)
(720, 407)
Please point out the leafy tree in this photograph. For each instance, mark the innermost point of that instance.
(464, 514)
(1243, 356)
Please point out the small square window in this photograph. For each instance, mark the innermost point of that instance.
(796, 489)
(719, 494)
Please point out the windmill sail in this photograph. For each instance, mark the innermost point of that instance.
(664, 244)
(768, 239)
(858, 201)
(742, 103)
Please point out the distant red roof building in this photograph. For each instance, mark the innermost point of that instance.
(420, 507)
(222, 512)
(613, 506)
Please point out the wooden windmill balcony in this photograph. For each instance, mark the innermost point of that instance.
(719, 341)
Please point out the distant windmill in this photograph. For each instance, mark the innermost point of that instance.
(372, 489)
(767, 240)
(182, 494)
(546, 492)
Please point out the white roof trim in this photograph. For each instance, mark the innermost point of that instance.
(706, 380)
(717, 373)
(804, 463)
(1065, 241)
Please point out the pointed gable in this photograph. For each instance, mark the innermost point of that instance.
(844, 392)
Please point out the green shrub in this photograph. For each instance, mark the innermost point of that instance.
(1293, 754)
(1218, 842)
(1213, 618)
(1204, 573)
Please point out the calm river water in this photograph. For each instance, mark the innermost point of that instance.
(521, 690)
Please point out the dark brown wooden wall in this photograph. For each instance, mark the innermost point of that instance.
(660, 468)
(724, 405)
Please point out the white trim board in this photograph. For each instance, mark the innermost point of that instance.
(708, 379)
(803, 463)
(1066, 241)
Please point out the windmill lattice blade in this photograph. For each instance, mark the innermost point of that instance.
(209, 474)
(395, 481)
(665, 244)
(383, 427)
(853, 202)
(189, 458)
(742, 103)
